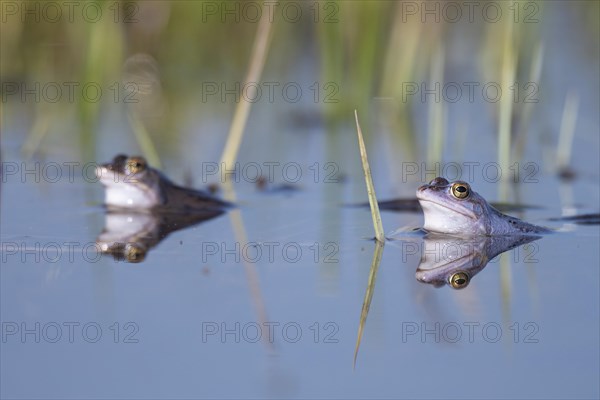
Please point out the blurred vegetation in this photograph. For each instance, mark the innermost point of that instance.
(368, 48)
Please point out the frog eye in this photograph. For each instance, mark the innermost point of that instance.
(461, 190)
(136, 164)
(459, 280)
(134, 253)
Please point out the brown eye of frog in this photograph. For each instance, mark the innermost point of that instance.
(461, 190)
(459, 280)
(136, 164)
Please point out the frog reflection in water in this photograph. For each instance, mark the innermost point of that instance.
(131, 184)
(130, 235)
(454, 261)
(454, 208)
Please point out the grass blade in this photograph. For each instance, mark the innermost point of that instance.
(379, 235)
(436, 111)
(257, 62)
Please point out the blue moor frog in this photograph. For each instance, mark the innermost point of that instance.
(132, 184)
(454, 208)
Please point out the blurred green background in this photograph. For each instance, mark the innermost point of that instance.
(161, 54)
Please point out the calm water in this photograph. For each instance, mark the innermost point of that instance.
(193, 311)
(266, 300)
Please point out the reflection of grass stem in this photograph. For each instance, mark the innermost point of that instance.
(368, 294)
(257, 61)
(41, 124)
(239, 231)
(505, 287)
(379, 235)
(567, 130)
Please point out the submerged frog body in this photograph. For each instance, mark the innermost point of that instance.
(454, 208)
(133, 185)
